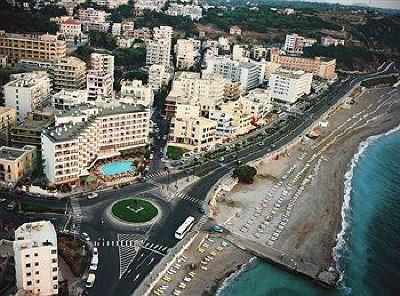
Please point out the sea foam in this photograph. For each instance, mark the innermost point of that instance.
(339, 249)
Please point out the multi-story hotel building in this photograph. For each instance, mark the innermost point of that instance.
(185, 54)
(93, 20)
(139, 93)
(28, 132)
(34, 47)
(66, 99)
(232, 120)
(248, 73)
(203, 91)
(26, 92)
(36, 262)
(69, 73)
(321, 67)
(15, 163)
(100, 77)
(158, 77)
(8, 120)
(87, 133)
(190, 131)
(71, 29)
(330, 41)
(288, 86)
(158, 50)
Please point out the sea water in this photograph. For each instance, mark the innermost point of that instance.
(368, 249)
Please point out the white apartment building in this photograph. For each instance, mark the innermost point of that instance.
(258, 103)
(158, 77)
(137, 92)
(195, 12)
(111, 4)
(93, 20)
(26, 92)
(239, 52)
(116, 29)
(186, 54)
(158, 50)
(35, 254)
(100, 78)
(71, 29)
(155, 5)
(224, 43)
(88, 133)
(68, 73)
(66, 99)
(231, 119)
(294, 44)
(203, 91)
(249, 73)
(288, 86)
(330, 41)
(192, 132)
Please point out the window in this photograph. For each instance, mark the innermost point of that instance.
(37, 281)
(28, 265)
(37, 272)
(36, 264)
(36, 254)
(54, 260)
(28, 274)
(54, 278)
(28, 283)
(54, 251)
(27, 256)
(54, 268)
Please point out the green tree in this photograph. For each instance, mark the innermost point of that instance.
(245, 174)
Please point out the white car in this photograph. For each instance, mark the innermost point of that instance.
(85, 236)
(93, 267)
(90, 280)
(2, 200)
(95, 251)
(92, 195)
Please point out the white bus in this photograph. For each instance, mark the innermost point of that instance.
(184, 228)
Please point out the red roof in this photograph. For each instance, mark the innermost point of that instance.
(72, 22)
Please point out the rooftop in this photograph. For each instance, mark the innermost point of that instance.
(11, 153)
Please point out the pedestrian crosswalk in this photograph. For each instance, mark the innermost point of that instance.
(128, 247)
(156, 174)
(189, 198)
(77, 215)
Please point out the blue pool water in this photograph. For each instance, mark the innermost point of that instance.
(118, 167)
(369, 255)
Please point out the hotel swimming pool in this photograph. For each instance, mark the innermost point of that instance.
(118, 167)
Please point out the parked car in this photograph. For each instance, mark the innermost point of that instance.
(217, 228)
(2, 200)
(90, 280)
(92, 195)
(11, 206)
(85, 237)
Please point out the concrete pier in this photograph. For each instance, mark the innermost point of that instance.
(323, 278)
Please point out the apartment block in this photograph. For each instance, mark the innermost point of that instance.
(231, 119)
(71, 29)
(28, 132)
(159, 76)
(186, 54)
(155, 5)
(26, 92)
(93, 20)
(15, 163)
(100, 78)
(65, 99)
(8, 120)
(36, 262)
(158, 50)
(330, 41)
(203, 91)
(111, 4)
(295, 44)
(28, 46)
(320, 67)
(288, 86)
(69, 73)
(239, 52)
(143, 33)
(137, 92)
(192, 132)
(195, 12)
(257, 103)
(86, 133)
(249, 73)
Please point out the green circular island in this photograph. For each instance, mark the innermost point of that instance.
(134, 210)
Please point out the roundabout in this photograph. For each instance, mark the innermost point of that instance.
(134, 211)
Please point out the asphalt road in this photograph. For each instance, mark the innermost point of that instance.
(161, 234)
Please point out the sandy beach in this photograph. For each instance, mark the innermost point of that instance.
(308, 179)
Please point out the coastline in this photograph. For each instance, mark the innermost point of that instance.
(332, 181)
